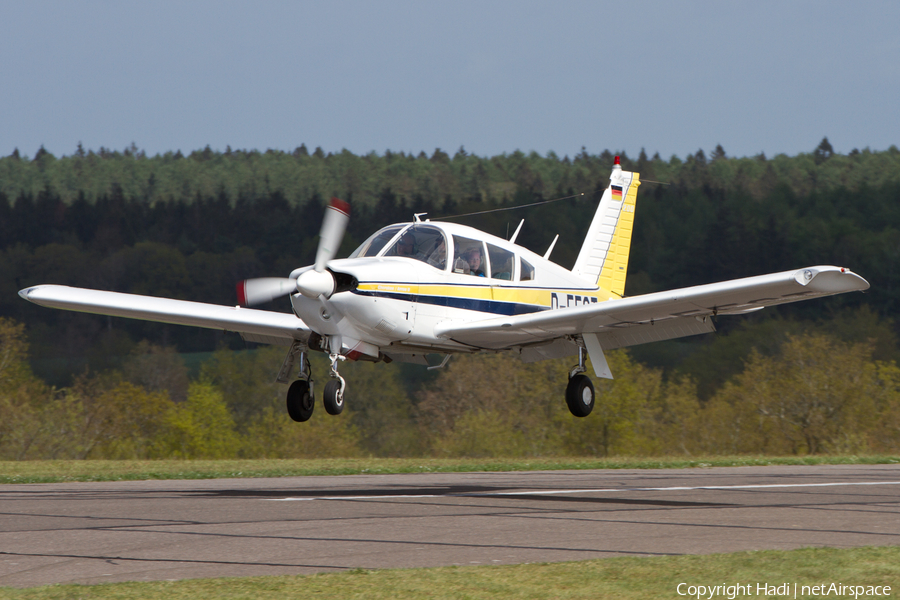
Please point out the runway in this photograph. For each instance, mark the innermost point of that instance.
(162, 530)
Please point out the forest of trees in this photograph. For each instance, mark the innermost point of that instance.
(192, 226)
(816, 394)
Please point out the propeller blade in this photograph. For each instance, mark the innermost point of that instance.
(310, 283)
(333, 226)
(257, 291)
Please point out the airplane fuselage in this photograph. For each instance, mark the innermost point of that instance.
(395, 302)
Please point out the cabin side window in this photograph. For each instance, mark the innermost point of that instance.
(424, 243)
(502, 262)
(527, 271)
(468, 256)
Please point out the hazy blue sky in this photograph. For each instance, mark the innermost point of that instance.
(494, 77)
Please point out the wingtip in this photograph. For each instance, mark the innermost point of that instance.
(831, 280)
(30, 293)
(37, 293)
(861, 281)
(855, 280)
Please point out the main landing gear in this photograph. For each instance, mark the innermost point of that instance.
(580, 391)
(301, 399)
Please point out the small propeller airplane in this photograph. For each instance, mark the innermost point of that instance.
(420, 288)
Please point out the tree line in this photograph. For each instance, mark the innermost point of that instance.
(816, 394)
(301, 174)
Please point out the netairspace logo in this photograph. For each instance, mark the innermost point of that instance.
(783, 590)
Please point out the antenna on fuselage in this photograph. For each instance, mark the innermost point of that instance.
(417, 217)
(550, 249)
(493, 210)
(512, 240)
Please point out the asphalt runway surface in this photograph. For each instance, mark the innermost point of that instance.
(164, 530)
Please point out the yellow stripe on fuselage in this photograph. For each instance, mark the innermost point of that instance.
(540, 298)
(390, 288)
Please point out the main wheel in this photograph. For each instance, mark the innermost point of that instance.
(334, 400)
(300, 402)
(580, 395)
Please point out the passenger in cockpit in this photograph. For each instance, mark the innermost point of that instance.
(474, 258)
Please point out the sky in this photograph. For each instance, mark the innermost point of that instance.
(490, 76)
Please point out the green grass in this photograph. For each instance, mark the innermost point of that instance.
(619, 578)
(53, 471)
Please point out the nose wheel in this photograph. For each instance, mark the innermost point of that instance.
(334, 389)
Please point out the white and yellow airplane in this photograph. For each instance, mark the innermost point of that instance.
(425, 287)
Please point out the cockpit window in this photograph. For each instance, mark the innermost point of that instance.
(376, 242)
(422, 242)
(502, 262)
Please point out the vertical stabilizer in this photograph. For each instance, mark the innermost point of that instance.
(603, 259)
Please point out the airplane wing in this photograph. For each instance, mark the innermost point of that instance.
(254, 325)
(657, 316)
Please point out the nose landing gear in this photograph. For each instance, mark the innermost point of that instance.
(334, 389)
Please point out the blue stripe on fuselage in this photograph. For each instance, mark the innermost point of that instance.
(486, 306)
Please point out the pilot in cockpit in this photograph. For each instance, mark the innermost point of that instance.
(406, 246)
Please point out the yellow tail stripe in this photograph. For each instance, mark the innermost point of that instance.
(615, 267)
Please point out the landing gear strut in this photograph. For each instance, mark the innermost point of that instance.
(334, 389)
(300, 396)
(580, 391)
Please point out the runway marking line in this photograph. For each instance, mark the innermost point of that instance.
(588, 491)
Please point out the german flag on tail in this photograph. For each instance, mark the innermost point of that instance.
(616, 193)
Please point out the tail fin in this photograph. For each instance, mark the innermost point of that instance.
(603, 259)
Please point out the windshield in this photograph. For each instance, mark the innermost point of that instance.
(376, 241)
(422, 242)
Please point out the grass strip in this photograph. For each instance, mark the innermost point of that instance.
(56, 471)
(621, 578)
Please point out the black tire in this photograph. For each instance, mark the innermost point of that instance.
(334, 401)
(580, 395)
(300, 403)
